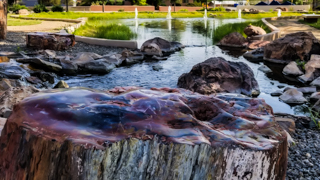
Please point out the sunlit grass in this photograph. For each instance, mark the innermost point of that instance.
(106, 31)
(21, 22)
(226, 29)
(130, 15)
(315, 25)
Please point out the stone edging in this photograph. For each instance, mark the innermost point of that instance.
(276, 33)
(89, 40)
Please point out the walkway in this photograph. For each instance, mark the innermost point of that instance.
(45, 26)
(288, 26)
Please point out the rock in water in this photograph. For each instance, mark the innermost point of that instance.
(234, 39)
(61, 84)
(41, 64)
(218, 75)
(292, 69)
(312, 68)
(293, 96)
(293, 46)
(159, 47)
(131, 133)
(53, 41)
(253, 31)
(12, 92)
(265, 69)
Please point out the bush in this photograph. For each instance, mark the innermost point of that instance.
(17, 7)
(114, 31)
(217, 9)
(120, 10)
(57, 8)
(178, 4)
(119, 2)
(163, 4)
(40, 8)
(112, 2)
(183, 10)
(140, 2)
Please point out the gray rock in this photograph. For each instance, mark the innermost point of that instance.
(12, 71)
(45, 65)
(315, 96)
(157, 67)
(316, 82)
(292, 69)
(265, 69)
(86, 56)
(159, 58)
(293, 96)
(68, 67)
(307, 90)
(276, 93)
(131, 57)
(312, 69)
(50, 53)
(100, 66)
(61, 84)
(255, 55)
(158, 46)
(114, 59)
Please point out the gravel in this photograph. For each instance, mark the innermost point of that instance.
(304, 156)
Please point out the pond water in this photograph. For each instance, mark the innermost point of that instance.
(197, 35)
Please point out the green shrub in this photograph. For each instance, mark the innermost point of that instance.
(40, 8)
(57, 8)
(163, 4)
(178, 4)
(270, 10)
(119, 2)
(191, 4)
(217, 9)
(140, 2)
(183, 10)
(110, 31)
(226, 29)
(17, 7)
(112, 2)
(121, 10)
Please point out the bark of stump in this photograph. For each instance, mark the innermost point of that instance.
(53, 41)
(3, 19)
(53, 151)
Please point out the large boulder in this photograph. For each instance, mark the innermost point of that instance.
(293, 46)
(234, 39)
(312, 69)
(293, 96)
(132, 133)
(159, 47)
(253, 31)
(292, 69)
(53, 41)
(218, 75)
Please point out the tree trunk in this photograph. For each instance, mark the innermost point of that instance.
(29, 156)
(3, 19)
(141, 134)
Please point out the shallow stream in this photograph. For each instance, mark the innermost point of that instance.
(196, 34)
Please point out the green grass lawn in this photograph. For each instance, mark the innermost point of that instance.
(226, 29)
(21, 22)
(128, 15)
(315, 25)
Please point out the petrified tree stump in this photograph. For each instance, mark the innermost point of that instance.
(53, 41)
(131, 133)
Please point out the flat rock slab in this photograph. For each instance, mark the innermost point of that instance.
(52, 41)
